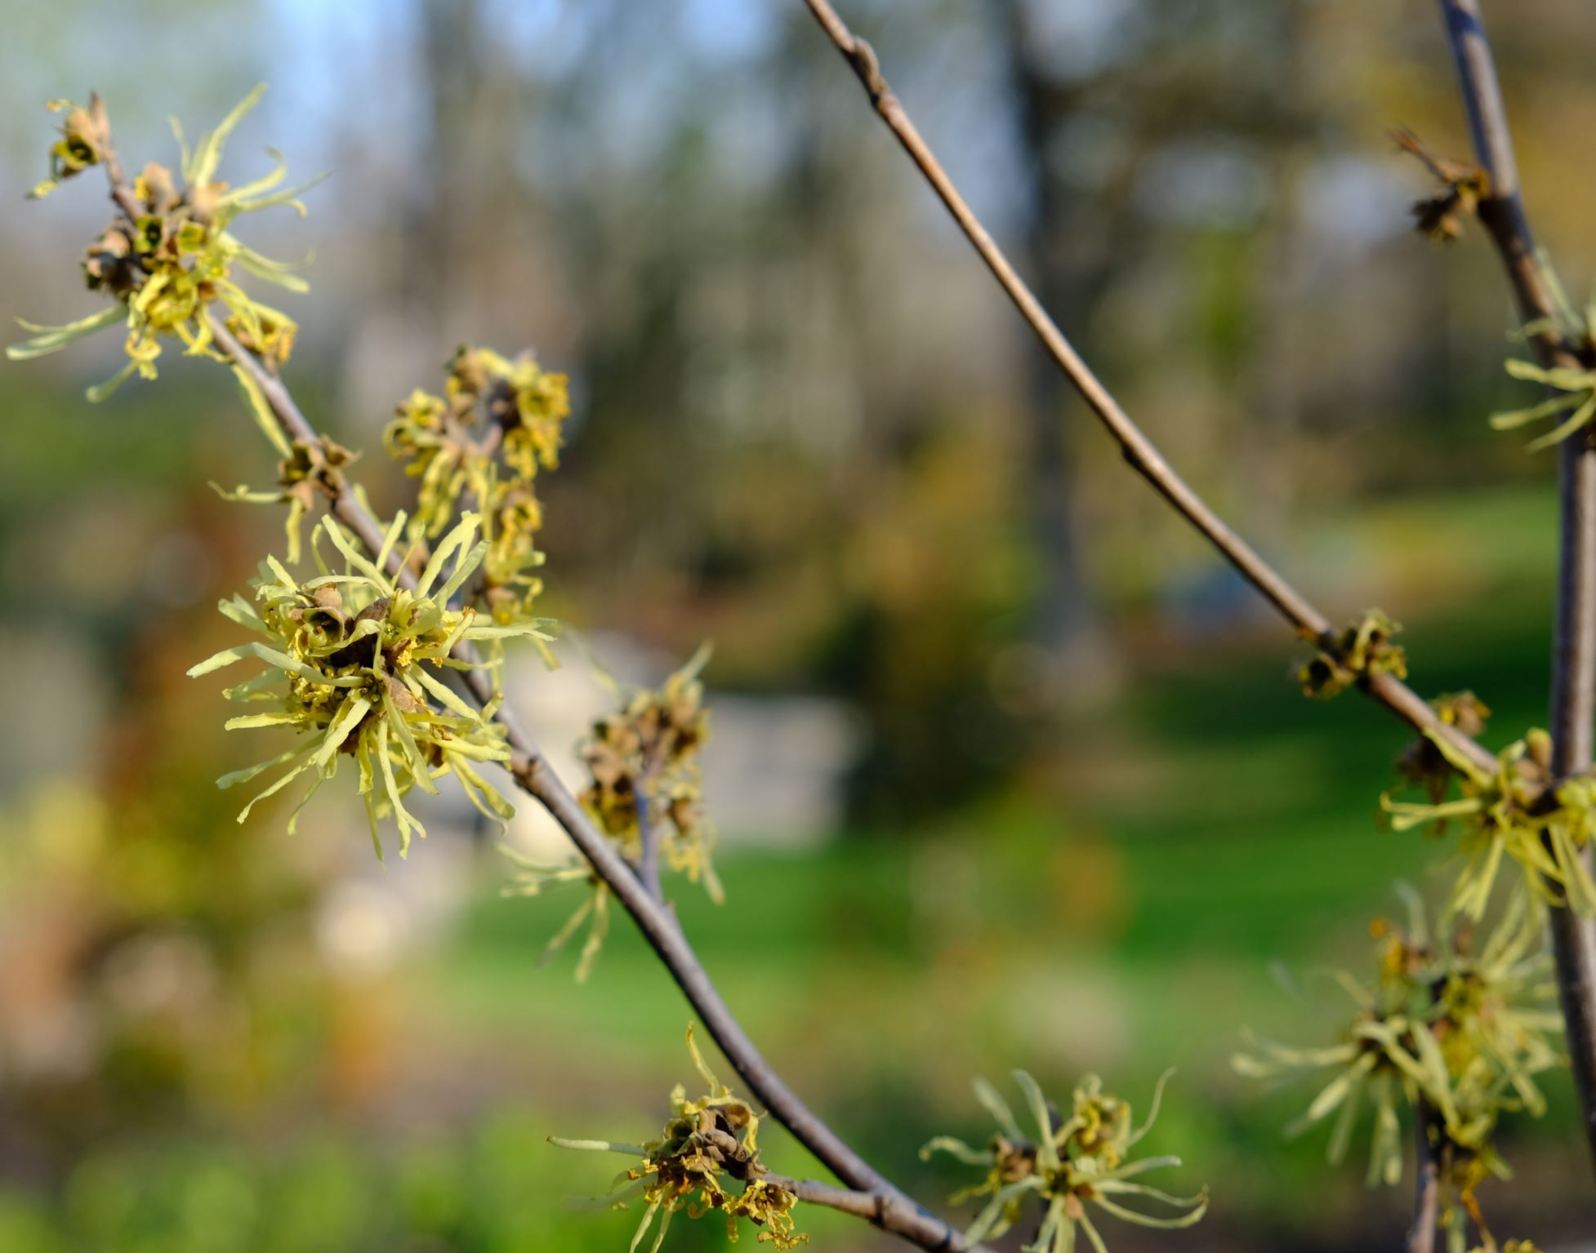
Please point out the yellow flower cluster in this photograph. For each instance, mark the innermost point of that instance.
(643, 766)
(355, 661)
(1514, 811)
(1363, 648)
(1459, 1034)
(1065, 1165)
(484, 440)
(643, 763)
(706, 1145)
(169, 254)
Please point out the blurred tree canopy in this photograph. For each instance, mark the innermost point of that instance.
(807, 428)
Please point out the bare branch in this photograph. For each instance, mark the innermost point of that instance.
(885, 1212)
(1138, 449)
(1573, 697)
(121, 193)
(1482, 95)
(648, 837)
(1427, 1187)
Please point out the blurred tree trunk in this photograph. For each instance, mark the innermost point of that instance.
(1068, 250)
(1275, 385)
(466, 189)
(447, 36)
(456, 218)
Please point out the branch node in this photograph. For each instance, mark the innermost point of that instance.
(868, 67)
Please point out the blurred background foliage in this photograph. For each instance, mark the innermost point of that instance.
(1087, 813)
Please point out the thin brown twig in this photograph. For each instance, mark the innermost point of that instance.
(653, 916)
(885, 1212)
(649, 835)
(1427, 1191)
(1137, 448)
(1573, 694)
(121, 192)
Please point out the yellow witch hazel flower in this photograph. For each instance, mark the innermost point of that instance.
(1464, 1034)
(498, 423)
(169, 255)
(529, 404)
(85, 139)
(1364, 647)
(644, 770)
(356, 660)
(706, 1158)
(1576, 398)
(1505, 813)
(1065, 1164)
(644, 765)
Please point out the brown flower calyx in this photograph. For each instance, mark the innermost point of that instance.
(1465, 186)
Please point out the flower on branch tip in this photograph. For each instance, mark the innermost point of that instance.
(1576, 398)
(644, 770)
(1459, 1030)
(527, 402)
(85, 138)
(169, 254)
(498, 422)
(1440, 217)
(706, 1158)
(1065, 1165)
(1363, 648)
(645, 783)
(1516, 811)
(355, 660)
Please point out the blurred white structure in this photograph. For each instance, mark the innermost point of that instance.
(773, 775)
(773, 768)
